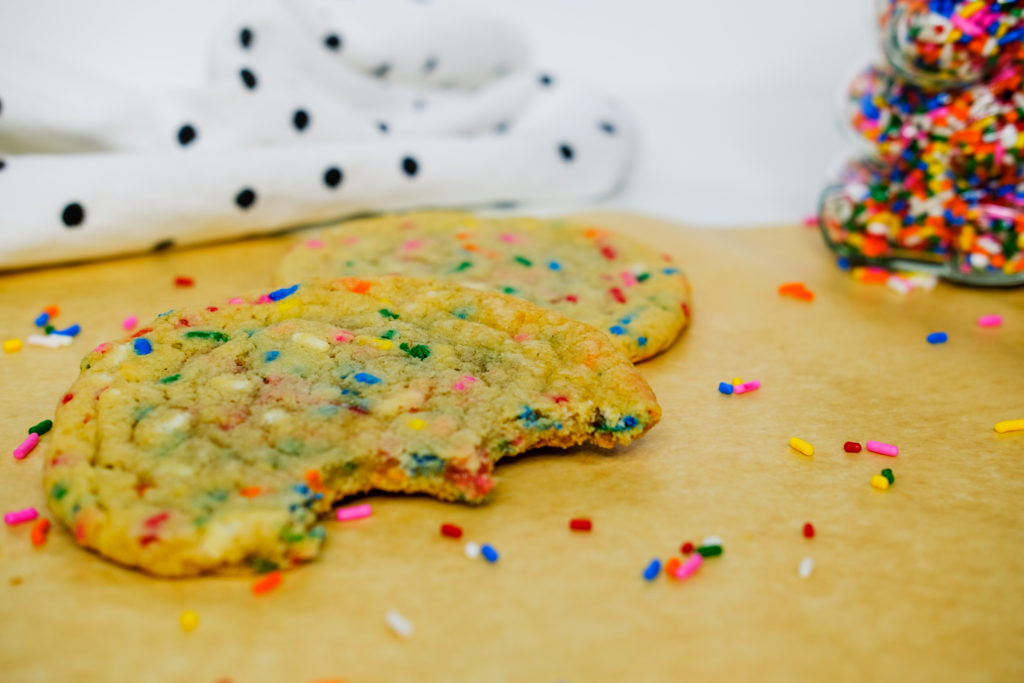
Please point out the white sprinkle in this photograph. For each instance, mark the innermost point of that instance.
(472, 550)
(273, 415)
(712, 540)
(306, 339)
(50, 341)
(806, 567)
(399, 624)
(898, 284)
(174, 422)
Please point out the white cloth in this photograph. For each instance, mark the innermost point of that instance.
(315, 109)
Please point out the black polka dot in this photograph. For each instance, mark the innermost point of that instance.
(186, 134)
(382, 127)
(545, 80)
(300, 120)
(429, 65)
(245, 37)
(410, 166)
(566, 152)
(332, 176)
(382, 70)
(163, 245)
(3, 164)
(245, 198)
(502, 127)
(248, 79)
(333, 42)
(73, 215)
(607, 127)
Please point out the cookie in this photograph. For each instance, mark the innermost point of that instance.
(589, 274)
(213, 438)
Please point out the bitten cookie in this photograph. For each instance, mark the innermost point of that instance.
(586, 273)
(212, 438)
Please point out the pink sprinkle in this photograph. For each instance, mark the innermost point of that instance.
(354, 512)
(521, 337)
(753, 385)
(26, 446)
(130, 322)
(1000, 212)
(343, 337)
(101, 348)
(350, 240)
(236, 300)
(966, 27)
(315, 244)
(462, 384)
(19, 516)
(265, 299)
(692, 564)
(413, 245)
(810, 221)
(628, 279)
(990, 320)
(882, 448)
(506, 237)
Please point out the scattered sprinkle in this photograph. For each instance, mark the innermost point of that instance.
(130, 322)
(26, 446)
(797, 290)
(690, 567)
(42, 319)
(752, 385)
(580, 524)
(183, 281)
(524, 261)
(266, 583)
(50, 341)
(882, 448)
(617, 295)
(142, 346)
(672, 565)
(52, 310)
(472, 550)
(937, 338)
(806, 567)
(271, 355)
(798, 444)
(19, 516)
(711, 540)
(417, 423)
(169, 379)
(207, 334)
(808, 530)
(250, 491)
(990, 320)
(687, 548)
(388, 314)
(367, 378)
(725, 388)
(420, 351)
(887, 473)
(310, 341)
(189, 620)
(398, 623)
(880, 482)
(709, 550)
(12, 345)
(279, 294)
(70, 331)
(352, 512)
(851, 447)
(617, 329)
(652, 570)
(40, 530)
(554, 265)
(315, 244)
(41, 427)
(489, 553)
(451, 530)
(1010, 426)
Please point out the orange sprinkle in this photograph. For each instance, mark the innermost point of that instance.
(672, 565)
(39, 531)
(358, 287)
(593, 233)
(797, 290)
(52, 310)
(251, 491)
(469, 246)
(314, 480)
(267, 583)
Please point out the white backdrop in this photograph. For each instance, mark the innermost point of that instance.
(735, 99)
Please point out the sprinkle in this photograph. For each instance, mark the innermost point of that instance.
(271, 355)
(711, 540)
(236, 301)
(608, 252)
(142, 346)
(880, 482)
(189, 619)
(1010, 426)
(688, 568)
(12, 345)
(752, 385)
(50, 341)
(267, 583)
(508, 238)
(851, 447)
(420, 351)
(937, 338)
(130, 322)
(641, 341)
(672, 565)
(52, 310)
(882, 448)
(367, 378)
(652, 570)
(388, 314)
(887, 473)
(472, 550)
(279, 294)
(310, 341)
(39, 532)
(802, 446)
(709, 550)
(810, 221)
(183, 281)
(489, 553)
(808, 530)
(687, 548)
(315, 244)
(617, 295)
(451, 530)
(344, 337)
(580, 524)
(67, 397)
(737, 380)
(617, 329)
(990, 320)
(250, 491)
(806, 568)
(207, 334)
(554, 265)
(70, 331)
(170, 379)
(26, 446)
(725, 388)
(41, 428)
(462, 384)
(417, 424)
(398, 623)
(19, 516)
(347, 514)
(42, 319)
(797, 290)
(524, 261)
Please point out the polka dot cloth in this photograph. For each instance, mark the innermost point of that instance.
(315, 110)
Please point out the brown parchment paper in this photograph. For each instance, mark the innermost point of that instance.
(922, 582)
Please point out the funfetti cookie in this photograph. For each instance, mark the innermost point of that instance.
(214, 437)
(618, 285)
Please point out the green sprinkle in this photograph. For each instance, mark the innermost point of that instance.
(170, 378)
(262, 565)
(887, 473)
(419, 351)
(48, 329)
(388, 314)
(525, 261)
(390, 334)
(289, 536)
(207, 334)
(58, 491)
(642, 277)
(41, 428)
(710, 550)
(509, 290)
(462, 266)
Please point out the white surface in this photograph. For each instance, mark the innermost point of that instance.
(734, 98)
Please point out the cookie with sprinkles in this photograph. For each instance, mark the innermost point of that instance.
(590, 274)
(217, 443)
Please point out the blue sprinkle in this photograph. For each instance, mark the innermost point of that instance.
(626, 321)
(301, 489)
(652, 571)
(555, 265)
(670, 271)
(279, 294)
(489, 553)
(142, 346)
(937, 338)
(529, 415)
(70, 331)
(366, 378)
(843, 263)
(628, 422)
(271, 355)
(617, 329)
(165, 313)
(42, 319)
(725, 388)
(642, 341)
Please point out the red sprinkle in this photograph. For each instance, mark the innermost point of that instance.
(39, 531)
(808, 530)
(267, 583)
(183, 281)
(851, 447)
(580, 524)
(617, 295)
(451, 530)
(608, 252)
(211, 309)
(687, 548)
(571, 298)
(561, 399)
(67, 397)
(145, 330)
(157, 519)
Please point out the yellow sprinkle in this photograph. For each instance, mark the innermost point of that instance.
(310, 341)
(417, 423)
(189, 620)
(737, 380)
(880, 482)
(286, 306)
(383, 344)
(800, 445)
(1010, 426)
(12, 345)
